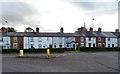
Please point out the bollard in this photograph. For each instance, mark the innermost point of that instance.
(21, 53)
(48, 52)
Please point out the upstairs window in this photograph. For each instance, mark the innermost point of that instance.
(1, 39)
(39, 39)
(82, 38)
(32, 39)
(47, 38)
(14, 39)
(99, 38)
(89, 38)
(108, 39)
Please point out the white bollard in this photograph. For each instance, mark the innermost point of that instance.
(21, 53)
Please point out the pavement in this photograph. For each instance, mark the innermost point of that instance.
(64, 62)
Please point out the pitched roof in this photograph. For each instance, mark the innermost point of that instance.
(41, 34)
(109, 34)
(116, 34)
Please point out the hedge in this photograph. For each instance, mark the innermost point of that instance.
(84, 49)
(53, 50)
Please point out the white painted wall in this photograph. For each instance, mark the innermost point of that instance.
(45, 41)
(4, 43)
(58, 41)
(112, 41)
(93, 41)
(68, 40)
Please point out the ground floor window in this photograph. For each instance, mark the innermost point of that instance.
(99, 44)
(103, 45)
(40, 46)
(14, 45)
(112, 45)
(82, 44)
(67, 45)
(60, 46)
(94, 45)
(32, 45)
(54, 45)
(89, 44)
(108, 45)
(50, 46)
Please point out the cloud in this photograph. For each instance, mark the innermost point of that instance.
(16, 13)
(98, 8)
(49, 14)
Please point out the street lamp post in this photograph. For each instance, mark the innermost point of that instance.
(92, 31)
(7, 33)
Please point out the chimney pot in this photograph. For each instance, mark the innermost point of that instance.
(99, 29)
(116, 30)
(3, 29)
(61, 30)
(37, 29)
(91, 29)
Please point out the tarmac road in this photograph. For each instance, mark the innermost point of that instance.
(66, 62)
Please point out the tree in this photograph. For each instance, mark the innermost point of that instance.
(28, 29)
(10, 29)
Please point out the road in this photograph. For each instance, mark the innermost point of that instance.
(65, 62)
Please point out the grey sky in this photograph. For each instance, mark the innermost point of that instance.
(110, 7)
(16, 12)
(23, 13)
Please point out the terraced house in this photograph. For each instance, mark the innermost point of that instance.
(37, 40)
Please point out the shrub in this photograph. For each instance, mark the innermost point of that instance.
(84, 49)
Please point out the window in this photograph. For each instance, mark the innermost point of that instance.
(50, 45)
(99, 44)
(54, 45)
(108, 39)
(103, 45)
(47, 38)
(14, 45)
(60, 46)
(32, 39)
(39, 39)
(112, 45)
(67, 45)
(1, 39)
(89, 44)
(99, 39)
(82, 44)
(94, 45)
(82, 38)
(108, 45)
(89, 38)
(39, 45)
(14, 39)
(32, 45)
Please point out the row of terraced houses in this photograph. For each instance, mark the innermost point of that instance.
(37, 40)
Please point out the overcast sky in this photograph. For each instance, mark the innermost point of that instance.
(50, 15)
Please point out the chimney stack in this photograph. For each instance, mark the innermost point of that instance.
(3, 29)
(116, 30)
(99, 29)
(91, 29)
(37, 29)
(61, 30)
